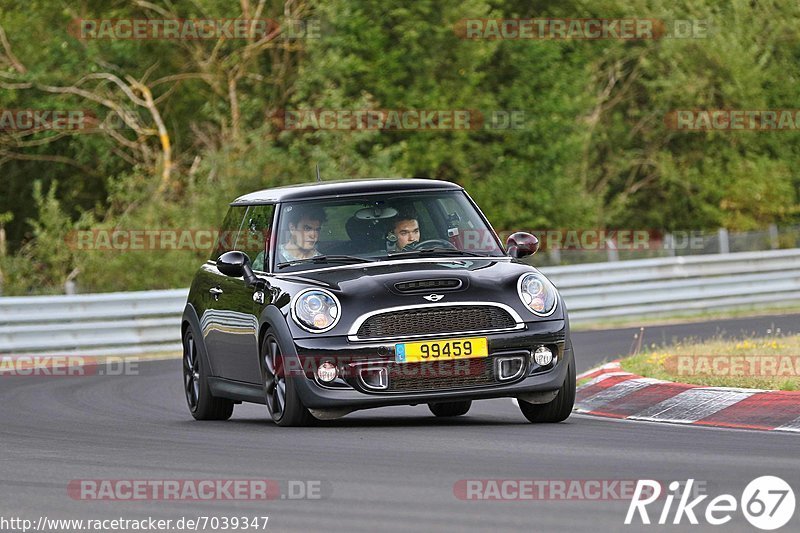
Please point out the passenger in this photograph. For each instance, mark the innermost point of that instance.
(305, 225)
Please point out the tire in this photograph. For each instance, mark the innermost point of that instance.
(202, 404)
(283, 402)
(559, 408)
(447, 409)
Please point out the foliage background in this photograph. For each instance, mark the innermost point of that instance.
(594, 151)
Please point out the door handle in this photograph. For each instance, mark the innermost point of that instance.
(215, 292)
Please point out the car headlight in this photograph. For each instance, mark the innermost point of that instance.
(537, 293)
(316, 310)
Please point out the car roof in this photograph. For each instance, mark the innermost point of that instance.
(334, 188)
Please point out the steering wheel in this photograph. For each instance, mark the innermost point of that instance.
(429, 244)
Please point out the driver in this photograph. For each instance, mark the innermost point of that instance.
(405, 231)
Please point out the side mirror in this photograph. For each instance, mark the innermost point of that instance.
(521, 244)
(237, 265)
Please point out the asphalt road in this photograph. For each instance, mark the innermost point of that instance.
(391, 469)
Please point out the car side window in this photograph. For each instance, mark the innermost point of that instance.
(229, 231)
(255, 235)
(463, 228)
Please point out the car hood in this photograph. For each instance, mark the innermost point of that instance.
(379, 274)
(371, 287)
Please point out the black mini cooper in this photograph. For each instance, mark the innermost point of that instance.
(326, 298)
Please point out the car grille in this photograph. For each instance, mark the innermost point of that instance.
(426, 321)
(444, 375)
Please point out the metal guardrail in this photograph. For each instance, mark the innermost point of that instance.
(650, 288)
(88, 324)
(138, 322)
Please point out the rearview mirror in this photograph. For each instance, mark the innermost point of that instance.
(521, 244)
(376, 213)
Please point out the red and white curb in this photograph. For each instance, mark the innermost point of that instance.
(611, 392)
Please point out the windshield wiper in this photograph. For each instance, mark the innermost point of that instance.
(439, 250)
(327, 259)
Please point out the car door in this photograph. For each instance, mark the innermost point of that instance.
(220, 319)
(231, 319)
(243, 305)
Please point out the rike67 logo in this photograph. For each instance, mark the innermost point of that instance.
(767, 502)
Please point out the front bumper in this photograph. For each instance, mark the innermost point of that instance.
(352, 392)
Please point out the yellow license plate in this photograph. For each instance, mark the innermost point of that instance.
(420, 352)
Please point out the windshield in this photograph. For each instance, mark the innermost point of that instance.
(380, 227)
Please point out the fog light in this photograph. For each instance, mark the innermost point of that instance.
(543, 356)
(327, 372)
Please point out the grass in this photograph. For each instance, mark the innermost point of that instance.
(771, 362)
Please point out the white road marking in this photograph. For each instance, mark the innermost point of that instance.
(608, 366)
(693, 404)
(602, 377)
(614, 392)
(793, 426)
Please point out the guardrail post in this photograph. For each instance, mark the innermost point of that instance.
(613, 254)
(70, 287)
(555, 255)
(2, 254)
(774, 243)
(724, 242)
(669, 244)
